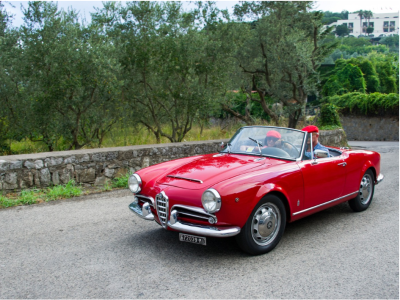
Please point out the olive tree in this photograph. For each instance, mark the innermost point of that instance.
(72, 90)
(282, 51)
(170, 62)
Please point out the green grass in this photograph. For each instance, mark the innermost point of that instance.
(63, 191)
(28, 197)
(330, 127)
(121, 182)
(129, 136)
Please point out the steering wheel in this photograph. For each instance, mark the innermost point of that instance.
(293, 146)
(275, 152)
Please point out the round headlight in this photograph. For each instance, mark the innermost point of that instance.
(135, 183)
(211, 201)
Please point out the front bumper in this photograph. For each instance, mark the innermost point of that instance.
(212, 231)
(379, 179)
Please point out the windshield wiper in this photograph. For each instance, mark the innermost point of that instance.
(228, 145)
(259, 144)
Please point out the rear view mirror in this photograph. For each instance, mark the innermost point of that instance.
(321, 154)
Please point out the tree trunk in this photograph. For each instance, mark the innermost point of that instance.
(294, 118)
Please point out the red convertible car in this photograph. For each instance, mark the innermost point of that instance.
(251, 189)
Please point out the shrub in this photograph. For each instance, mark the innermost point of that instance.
(366, 104)
(329, 116)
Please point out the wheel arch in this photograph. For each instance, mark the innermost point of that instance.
(284, 200)
(369, 166)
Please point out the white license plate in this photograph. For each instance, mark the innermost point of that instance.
(192, 239)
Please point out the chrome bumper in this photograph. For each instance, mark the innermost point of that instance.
(145, 213)
(379, 179)
(201, 230)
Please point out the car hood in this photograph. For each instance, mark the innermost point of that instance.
(210, 169)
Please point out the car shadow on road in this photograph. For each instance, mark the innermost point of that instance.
(153, 240)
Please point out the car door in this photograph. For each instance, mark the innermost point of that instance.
(324, 180)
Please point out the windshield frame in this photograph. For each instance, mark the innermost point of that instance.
(301, 151)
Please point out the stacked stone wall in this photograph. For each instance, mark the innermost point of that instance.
(92, 166)
(359, 128)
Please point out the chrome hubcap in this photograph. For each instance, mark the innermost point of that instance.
(365, 189)
(265, 224)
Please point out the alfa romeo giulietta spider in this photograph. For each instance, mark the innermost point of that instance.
(251, 188)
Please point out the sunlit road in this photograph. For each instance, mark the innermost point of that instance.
(94, 247)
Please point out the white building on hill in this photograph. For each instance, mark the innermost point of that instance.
(384, 24)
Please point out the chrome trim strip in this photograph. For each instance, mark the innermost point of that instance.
(194, 209)
(144, 212)
(200, 229)
(146, 198)
(319, 205)
(379, 179)
(185, 178)
(181, 213)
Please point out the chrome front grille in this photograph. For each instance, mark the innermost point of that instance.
(195, 213)
(162, 208)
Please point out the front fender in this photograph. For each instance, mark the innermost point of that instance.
(373, 162)
(241, 194)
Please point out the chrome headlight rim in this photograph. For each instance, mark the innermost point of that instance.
(135, 177)
(217, 201)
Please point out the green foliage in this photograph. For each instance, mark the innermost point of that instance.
(28, 197)
(331, 17)
(25, 198)
(369, 73)
(342, 30)
(63, 191)
(391, 41)
(281, 52)
(367, 104)
(121, 182)
(346, 78)
(329, 116)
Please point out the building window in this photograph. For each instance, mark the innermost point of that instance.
(392, 26)
(371, 24)
(386, 26)
(350, 25)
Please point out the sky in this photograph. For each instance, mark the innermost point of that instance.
(86, 7)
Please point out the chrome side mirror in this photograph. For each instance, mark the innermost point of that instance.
(221, 146)
(321, 153)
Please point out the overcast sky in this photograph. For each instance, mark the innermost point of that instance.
(86, 7)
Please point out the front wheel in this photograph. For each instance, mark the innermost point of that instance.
(365, 193)
(264, 228)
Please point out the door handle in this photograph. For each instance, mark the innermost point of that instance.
(342, 164)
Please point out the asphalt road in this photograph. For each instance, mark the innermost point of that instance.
(94, 247)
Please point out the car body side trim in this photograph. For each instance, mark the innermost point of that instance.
(319, 205)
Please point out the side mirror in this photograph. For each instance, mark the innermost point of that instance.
(221, 146)
(321, 153)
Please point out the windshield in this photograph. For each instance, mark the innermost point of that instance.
(267, 141)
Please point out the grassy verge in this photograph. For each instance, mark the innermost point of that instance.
(69, 190)
(27, 197)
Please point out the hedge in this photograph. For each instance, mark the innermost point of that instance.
(375, 104)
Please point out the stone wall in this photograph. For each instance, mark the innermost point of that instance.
(91, 166)
(360, 128)
(97, 166)
(335, 138)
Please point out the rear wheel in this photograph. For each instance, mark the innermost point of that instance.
(365, 193)
(264, 228)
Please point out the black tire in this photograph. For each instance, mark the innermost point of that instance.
(365, 192)
(256, 240)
